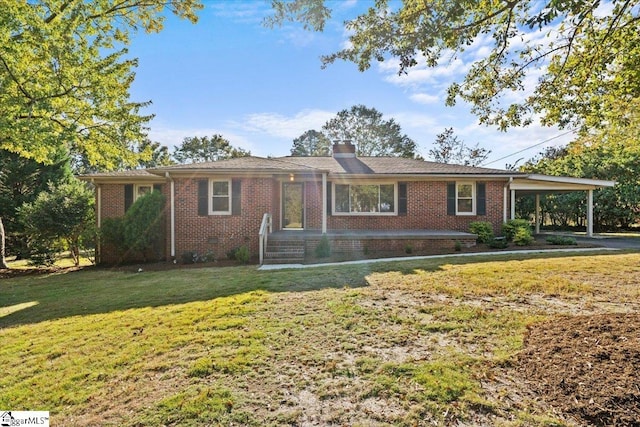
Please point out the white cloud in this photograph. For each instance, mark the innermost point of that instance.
(424, 98)
(238, 11)
(282, 126)
(450, 69)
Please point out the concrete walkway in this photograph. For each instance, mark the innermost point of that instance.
(412, 258)
(604, 241)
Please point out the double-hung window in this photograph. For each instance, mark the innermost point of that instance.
(365, 199)
(220, 197)
(465, 198)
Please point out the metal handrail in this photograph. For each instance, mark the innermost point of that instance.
(266, 227)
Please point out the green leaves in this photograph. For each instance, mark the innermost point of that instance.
(65, 81)
(563, 60)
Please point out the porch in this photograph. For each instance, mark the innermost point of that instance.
(289, 246)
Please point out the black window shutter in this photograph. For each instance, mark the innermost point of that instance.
(481, 196)
(328, 198)
(236, 191)
(402, 198)
(157, 187)
(203, 197)
(128, 196)
(451, 198)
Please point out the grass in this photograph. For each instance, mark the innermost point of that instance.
(404, 343)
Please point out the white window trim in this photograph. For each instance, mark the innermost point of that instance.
(210, 197)
(136, 190)
(395, 199)
(473, 198)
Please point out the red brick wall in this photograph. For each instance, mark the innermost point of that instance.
(221, 233)
(426, 209)
(112, 200)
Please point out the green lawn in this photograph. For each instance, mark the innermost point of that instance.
(404, 343)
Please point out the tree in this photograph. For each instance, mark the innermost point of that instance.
(21, 180)
(206, 149)
(311, 143)
(588, 53)
(449, 149)
(153, 155)
(371, 135)
(611, 153)
(65, 76)
(63, 213)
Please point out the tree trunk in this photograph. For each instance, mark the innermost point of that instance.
(3, 261)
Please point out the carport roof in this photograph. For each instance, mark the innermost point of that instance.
(536, 183)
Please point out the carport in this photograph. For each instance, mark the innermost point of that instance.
(545, 184)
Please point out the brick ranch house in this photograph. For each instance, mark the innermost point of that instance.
(280, 207)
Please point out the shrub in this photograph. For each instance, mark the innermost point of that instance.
(483, 229)
(561, 240)
(242, 254)
(142, 223)
(498, 243)
(323, 250)
(112, 233)
(510, 228)
(408, 248)
(523, 237)
(457, 246)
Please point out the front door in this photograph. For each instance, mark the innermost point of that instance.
(293, 205)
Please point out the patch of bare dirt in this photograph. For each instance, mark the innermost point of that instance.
(586, 366)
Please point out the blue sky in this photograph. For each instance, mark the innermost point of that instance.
(261, 88)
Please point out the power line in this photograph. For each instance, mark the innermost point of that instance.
(529, 148)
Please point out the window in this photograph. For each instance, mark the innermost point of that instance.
(465, 198)
(141, 190)
(220, 197)
(365, 199)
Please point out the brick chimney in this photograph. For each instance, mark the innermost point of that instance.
(344, 149)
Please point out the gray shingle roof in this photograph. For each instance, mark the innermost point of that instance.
(240, 163)
(334, 166)
(390, 165)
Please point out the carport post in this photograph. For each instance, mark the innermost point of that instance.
(513, 204)
(589, 213)
(537, 215)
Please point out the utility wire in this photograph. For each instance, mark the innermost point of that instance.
(529, 148)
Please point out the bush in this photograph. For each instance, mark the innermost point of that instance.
(498, 243)
(112, 233)
(143, 229)
(523, 237)
(323, 250)
(242, 254)
(457, 246)
(483, 229)
(510, 228)
(561, 240)
(239, 254)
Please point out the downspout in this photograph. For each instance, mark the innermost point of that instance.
(172, 215)
(98, 218)
(324, 203)
(506, 199)
(98, 204)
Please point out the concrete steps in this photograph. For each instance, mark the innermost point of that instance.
(284, 252)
